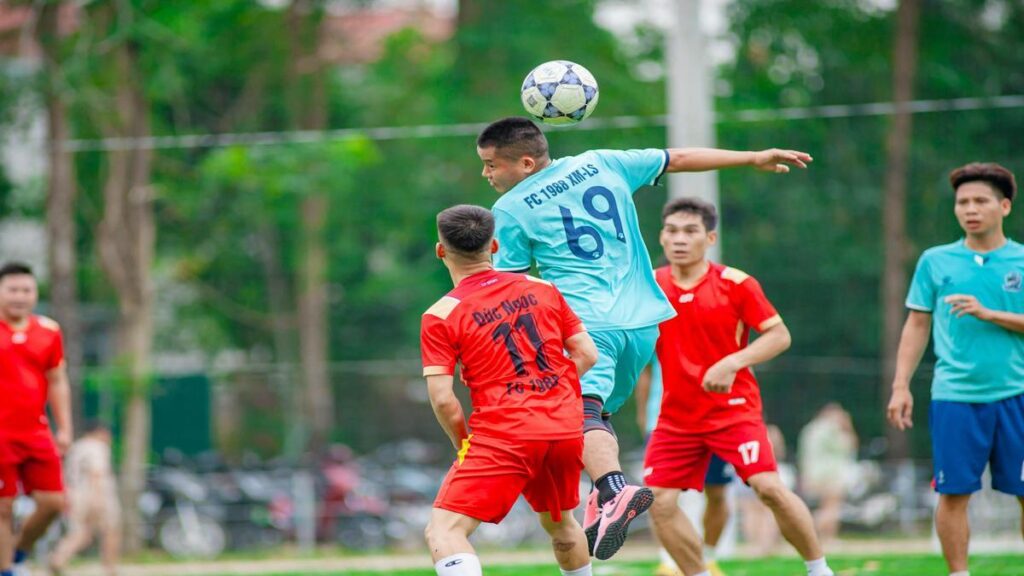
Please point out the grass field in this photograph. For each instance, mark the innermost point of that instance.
(909, 565)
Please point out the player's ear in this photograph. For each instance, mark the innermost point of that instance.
(1007, 206)
(528, 163)
(712, 237)
(494, 245)
(439, 250)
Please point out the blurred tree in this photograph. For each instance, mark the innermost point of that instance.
(307, 108)
(61, 227)
(894, 206)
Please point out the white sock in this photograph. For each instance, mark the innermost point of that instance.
(818, 567)
(461, 564)
(709, 553)
(585, 571)
(704, 573)
(961, 573)
(666, 558)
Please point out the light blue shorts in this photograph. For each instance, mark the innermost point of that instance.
(621, 356)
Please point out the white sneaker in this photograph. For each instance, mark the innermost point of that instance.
(21, 569)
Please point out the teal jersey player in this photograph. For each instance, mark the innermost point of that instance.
(969, 296)
(977, 361)
(575, 218)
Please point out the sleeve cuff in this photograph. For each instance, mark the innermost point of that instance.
(918, 307)
(769, 323)
(664, 168)
(437, 371)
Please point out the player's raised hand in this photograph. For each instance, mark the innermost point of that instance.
(779, 161)
(901, 408)
(720, 377)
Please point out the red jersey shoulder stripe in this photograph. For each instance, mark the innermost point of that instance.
(443, 308)
(48, 323)
(734, 275)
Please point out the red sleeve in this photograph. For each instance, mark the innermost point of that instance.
(56, 351)
(755, 309)
(436, 347)
(571, 324)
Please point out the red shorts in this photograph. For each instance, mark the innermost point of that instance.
(491, 473)
(680, 460)
(31, 460)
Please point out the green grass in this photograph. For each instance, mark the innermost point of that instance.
(909, 565)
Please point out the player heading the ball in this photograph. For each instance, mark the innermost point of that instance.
(575, 217)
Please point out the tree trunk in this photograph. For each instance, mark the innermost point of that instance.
(126, 239)
(61, 229)
(308, 109)
(894, 277)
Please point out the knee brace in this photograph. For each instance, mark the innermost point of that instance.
(594, 416)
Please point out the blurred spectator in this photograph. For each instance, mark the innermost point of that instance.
(93, 506)
(756, 520)
(827, 451)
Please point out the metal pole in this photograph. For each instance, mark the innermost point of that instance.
(690, 102)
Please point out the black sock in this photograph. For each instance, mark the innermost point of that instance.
(609, 485)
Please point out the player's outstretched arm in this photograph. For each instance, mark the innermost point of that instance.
(582, 351)
(447, 408)
(912, 344)
(703, 159)
(59, 397)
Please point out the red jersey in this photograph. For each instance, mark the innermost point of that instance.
(26, 356)
(507, 333)
(713, 319)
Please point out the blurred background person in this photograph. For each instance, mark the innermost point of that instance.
(93, 506)
(827, 452)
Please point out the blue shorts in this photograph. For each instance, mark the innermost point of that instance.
(967, 436)
(719, 472)
(621, 356)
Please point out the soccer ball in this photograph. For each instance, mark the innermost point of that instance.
(559, 92)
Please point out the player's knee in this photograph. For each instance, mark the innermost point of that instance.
(51, 503)
(430, 534)
(666, 504)
(6, 510)
(594, 417)
(771, 491)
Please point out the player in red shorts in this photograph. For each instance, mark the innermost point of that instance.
(31, 373)
(711, 403)
(510, 334)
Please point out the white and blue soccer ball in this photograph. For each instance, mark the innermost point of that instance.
(559, 92)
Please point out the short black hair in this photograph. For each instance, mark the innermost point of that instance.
(15, 268)
(996, 176)
(690, 205)
(514, 137)
(466, 229)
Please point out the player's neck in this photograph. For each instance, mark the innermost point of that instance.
(14, 323)
(689, 275)
(987, 242)
(460, 273)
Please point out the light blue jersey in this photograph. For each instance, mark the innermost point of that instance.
(577, 219)
(978, 361)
